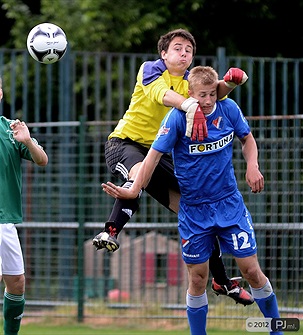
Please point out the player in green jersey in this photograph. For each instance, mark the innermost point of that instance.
(15, 144)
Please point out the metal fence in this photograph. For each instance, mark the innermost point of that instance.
(71, 107)
(99, 85)
(146, 279)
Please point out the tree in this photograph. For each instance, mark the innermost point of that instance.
(246, 27)
(90, 25)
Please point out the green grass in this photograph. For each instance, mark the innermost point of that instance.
(79, 329)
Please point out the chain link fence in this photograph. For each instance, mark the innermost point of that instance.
(65, 207)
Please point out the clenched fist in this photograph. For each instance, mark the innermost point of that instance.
(234, 77)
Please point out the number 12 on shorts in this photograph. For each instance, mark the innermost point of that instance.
(240, 241)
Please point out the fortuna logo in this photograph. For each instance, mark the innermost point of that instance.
(127, 211)
(209, 147)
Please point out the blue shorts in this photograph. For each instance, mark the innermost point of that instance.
(227, 219)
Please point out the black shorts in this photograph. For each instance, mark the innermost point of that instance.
(122, 154)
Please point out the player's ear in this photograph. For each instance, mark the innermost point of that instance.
(1, 94)
(163, 54)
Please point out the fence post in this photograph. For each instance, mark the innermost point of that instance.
(221, 56)
(81, 218)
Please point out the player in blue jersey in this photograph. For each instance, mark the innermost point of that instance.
(160, 85)
(15, 145)
(211, 204)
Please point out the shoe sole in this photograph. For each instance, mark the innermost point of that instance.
(108, 245)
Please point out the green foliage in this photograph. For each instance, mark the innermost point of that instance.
(20, 14)
(246, 27)
(90, 25)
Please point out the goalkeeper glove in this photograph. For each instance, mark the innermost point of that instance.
(200, 130)
(234, 77)
(195, 120)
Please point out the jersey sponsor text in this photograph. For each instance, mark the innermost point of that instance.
(201, 148)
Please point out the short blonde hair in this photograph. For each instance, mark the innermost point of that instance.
(204, 75)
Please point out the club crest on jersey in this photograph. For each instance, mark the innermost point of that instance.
(202, 148)
(11, 135)
(218, 122)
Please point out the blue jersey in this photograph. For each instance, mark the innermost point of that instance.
(204, 169)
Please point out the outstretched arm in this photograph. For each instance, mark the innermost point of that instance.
(22, 135)
(142, 178)
(254, 178)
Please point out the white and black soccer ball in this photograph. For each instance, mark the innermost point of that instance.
(46, 43)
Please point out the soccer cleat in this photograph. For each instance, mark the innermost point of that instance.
(234, 291)
(106, 240)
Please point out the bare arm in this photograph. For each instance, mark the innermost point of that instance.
(254, 178)
(223, 90)
(22, 135)
(142, 178)
(173, 99)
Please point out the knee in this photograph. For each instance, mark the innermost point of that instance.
(254, 276)
(15, 284)
(198, 282)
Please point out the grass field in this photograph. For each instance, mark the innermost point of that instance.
(79, 329)
(50, 325)
(85, 330)
(73, 328)
(57, 326)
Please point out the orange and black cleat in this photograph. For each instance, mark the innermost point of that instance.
(234, 291)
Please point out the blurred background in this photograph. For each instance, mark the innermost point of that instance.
(71, 107)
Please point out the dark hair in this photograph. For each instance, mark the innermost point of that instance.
(165, 40)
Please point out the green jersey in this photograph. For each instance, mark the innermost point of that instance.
(11, 153)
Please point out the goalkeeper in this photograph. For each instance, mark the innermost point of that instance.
(162, 84)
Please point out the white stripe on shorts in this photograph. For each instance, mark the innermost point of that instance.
(122, 169)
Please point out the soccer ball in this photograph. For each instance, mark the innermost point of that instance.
(46, 43)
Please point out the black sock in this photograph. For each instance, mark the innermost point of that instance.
(217, 267)
(122, 211)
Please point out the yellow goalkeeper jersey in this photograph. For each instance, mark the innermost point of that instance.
(142, 120)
